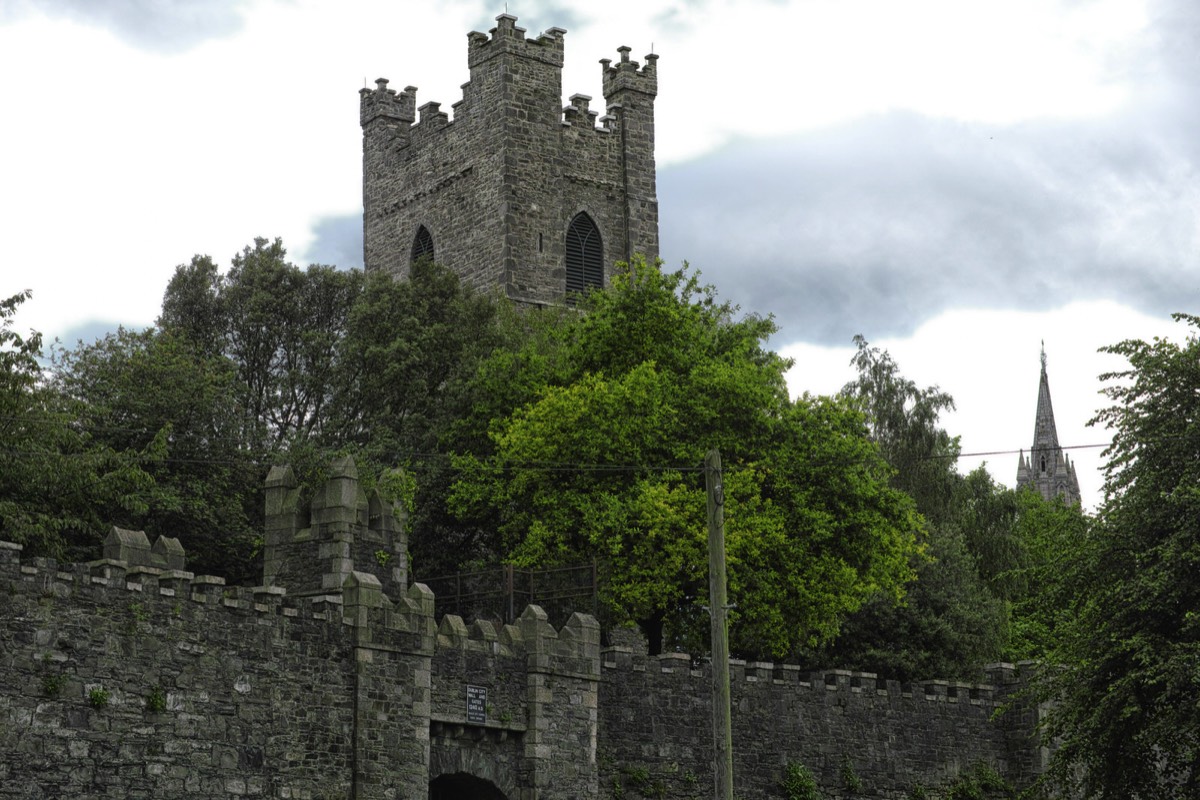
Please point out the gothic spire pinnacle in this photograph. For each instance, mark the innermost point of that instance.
(1048, 469)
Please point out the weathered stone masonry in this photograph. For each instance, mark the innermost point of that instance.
(130, 677)
(497, 187)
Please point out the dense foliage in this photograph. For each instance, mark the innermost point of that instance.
(151, 392)
(171, 429)
(950, 623)
(599, 455)
(985, 578)
(1127, 715)
(540, 439)
(59, 486)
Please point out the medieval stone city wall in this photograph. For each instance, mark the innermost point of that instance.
(656, 715)
(497, 186)
(119, 681)
(215, 691)
(131, 677)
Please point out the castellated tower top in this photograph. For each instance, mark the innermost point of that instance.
(508, 38)
(626, 75)
(518, 191)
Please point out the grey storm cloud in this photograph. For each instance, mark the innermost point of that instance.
(157, 25)
(338, 241)
(878, 225)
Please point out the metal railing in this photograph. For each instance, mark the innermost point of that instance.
(500, 594)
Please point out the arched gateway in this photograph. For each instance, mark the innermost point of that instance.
(461, 786)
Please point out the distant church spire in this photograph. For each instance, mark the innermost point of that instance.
(1048, 470)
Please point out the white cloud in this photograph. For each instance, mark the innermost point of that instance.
(989, 362)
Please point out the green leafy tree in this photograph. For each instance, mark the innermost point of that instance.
(1049, 535)
(1126, 714)
(192, 308)
(405, 379)
(598, 457)
(279, 325)
(950, 622)
(151, 392)
(57, 483)
(903, 421)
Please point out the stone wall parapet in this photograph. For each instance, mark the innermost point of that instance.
(627, 75)
(508, 37)
(1001, 680)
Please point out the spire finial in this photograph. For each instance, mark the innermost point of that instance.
(1043, 355)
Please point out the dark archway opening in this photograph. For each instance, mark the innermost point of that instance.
(461, 786)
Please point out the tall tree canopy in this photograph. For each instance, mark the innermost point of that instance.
(153, 392)
(951, 622)
(280, 327)
(599, 454)
(266, 363)
(57, 482)
(405, 383)
(1127, 714)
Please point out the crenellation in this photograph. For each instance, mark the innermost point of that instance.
(310, 549)
(452, 632)
(207, 589)
(107, 572)
(578, 113)
(431, 115)
(396, 110)
(1000, 673)
(787, 675)
(484, 631)
(760, 671)
(507, 38)
(628, 76)
(178, 582)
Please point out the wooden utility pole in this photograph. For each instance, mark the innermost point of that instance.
(718, 605)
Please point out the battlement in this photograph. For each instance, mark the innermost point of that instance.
(625, 75)
(894, 735)
(1000, 678)
(382, 103)
(152, 675)
(312, 547)
(360, 603)
(134, 548)
(508, 38)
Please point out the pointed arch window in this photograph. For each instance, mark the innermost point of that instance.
(422, 245)
(585, 255)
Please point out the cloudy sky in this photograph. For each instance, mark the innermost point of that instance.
(957, 180)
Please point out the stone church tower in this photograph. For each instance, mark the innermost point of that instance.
(1048, 470)
(516, 191)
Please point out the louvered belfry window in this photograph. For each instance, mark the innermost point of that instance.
(585, 256)
(422, 245)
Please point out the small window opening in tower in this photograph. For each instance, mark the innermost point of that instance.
(540, 248)
(585, 256)
(422, 245)
(1043, 463)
